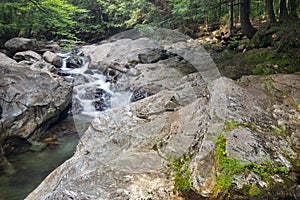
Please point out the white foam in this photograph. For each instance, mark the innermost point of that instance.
(84, 92)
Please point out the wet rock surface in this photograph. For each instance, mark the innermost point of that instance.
(127, 152)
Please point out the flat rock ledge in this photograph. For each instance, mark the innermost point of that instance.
(127, 152)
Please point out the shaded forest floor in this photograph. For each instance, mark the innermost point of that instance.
(274, 49)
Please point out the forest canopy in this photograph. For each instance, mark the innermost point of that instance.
(96, 19)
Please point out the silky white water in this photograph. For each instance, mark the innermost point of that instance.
(93, 91)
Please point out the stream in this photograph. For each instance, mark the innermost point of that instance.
(30, 168)
(93, 92)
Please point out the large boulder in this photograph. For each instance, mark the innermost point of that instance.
(30, 101)
(119, 54)
(149, 64)
(198, 135)
(127, 153)
(21, 44)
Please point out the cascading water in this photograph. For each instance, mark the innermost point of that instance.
(94, 90)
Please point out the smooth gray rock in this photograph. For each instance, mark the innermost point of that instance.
(21, 44)
(53, 58)
(118, 54)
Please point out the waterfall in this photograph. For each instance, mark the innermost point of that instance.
(93, 90)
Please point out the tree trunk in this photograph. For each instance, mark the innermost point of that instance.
(230, 16)
(239, 10)
(283, 12)
(206, 22)
(292, 7)
(220, 9)
(247, 27)
(270, 11)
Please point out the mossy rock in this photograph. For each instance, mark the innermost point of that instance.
(288, 42)
(262, 39)
(261, 61)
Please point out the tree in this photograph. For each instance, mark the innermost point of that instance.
(283, 12)
(231, 16)
(292, 7)
(247, 27)
(270, 11)
(39, 18)
(10, 19)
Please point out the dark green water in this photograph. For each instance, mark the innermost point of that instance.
(30, 168)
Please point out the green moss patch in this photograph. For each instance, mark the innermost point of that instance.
(227, 168)
(182, 176)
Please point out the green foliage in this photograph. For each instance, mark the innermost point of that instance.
(48, 18)
(182, 177)
(234, 42)
(286, 65)
(9, 23)
(253, 190)
(257, 9)
(264, 69)
(297, 105)
(95, 19)
(266, 169)
(288, 37)
(191, 10)
(262, 39)
(123, 13)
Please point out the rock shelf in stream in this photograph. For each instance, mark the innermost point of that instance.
(115, 75)
(194, 131)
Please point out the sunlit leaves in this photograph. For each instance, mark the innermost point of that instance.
(122, 13)
(51, 18)
(193, 10)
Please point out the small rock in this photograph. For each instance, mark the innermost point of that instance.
(37, 146)
(27, 55)
(52, 58)
(241, 47)
(74, 62)
(133, 72)
(139, 94)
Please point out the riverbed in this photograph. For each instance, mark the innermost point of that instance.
(30, 168)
